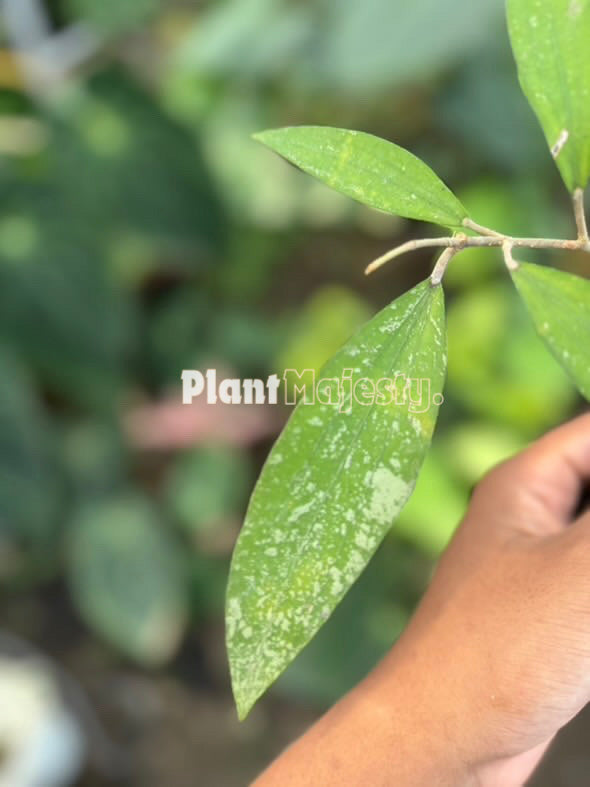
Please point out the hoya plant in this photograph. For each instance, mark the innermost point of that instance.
(349, 457)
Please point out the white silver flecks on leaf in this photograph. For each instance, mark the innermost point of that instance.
(551, 43)
(559, 304)
(331, 489)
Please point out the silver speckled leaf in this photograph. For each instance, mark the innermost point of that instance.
(551, 43)
(559, 304)
(332, 486)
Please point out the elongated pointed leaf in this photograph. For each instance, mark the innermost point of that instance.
(331, 488)
(127, 578)
(559, 304)
(551, 43)
(370, 170)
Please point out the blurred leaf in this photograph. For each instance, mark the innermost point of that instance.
(326, 322)
(207, 487)
(559, 304)
(29, 485)
(550, 43)
(127, 578)
(336, 44)
(467, 108)
(51, 307)
(497, 366)
(117, 166)
(372, 171)
(283, 196)
(435, 509)
(374, 45)
(252, 38)
(122, 163)
(311, 527)
(94, 456)
(471, 449)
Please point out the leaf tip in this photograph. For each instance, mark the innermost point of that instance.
(263, 136)
(245, 698)
(243, 708)
(258, 136)
(246, 687)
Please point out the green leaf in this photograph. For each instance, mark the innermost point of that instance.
(331, 488)
(370, 170)
(559, 304)
(550, 43)
(127, 578)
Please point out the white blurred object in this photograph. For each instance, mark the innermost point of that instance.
(41, 744)
(47, 58)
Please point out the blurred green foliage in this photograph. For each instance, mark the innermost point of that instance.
(206, 488)
(127, 577)
(142, 232)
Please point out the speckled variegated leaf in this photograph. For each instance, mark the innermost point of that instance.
(559, 304)
(331, 488)
(370, 170)
(551, 43)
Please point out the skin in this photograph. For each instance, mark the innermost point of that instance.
(496, 659)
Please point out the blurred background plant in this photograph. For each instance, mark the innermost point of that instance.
(143, 232)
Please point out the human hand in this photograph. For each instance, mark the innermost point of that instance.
(497, 657)
(505, 624)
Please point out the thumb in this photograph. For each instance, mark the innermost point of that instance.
(539, 490)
